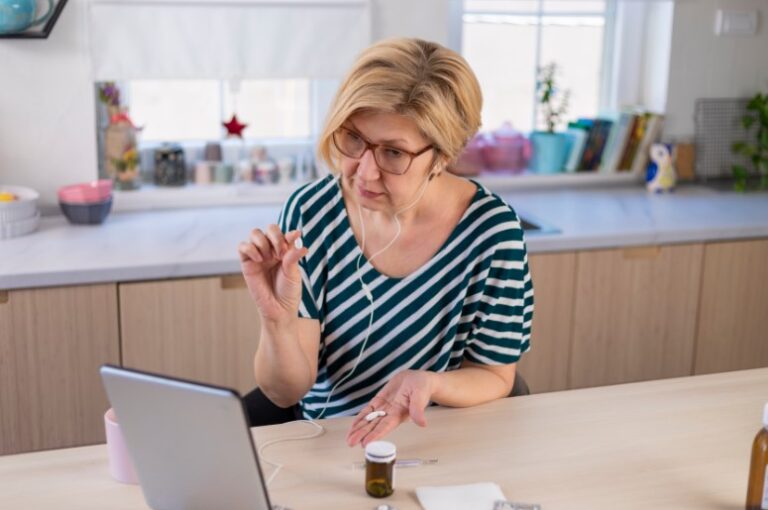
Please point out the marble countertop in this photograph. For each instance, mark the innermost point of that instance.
(194, 242)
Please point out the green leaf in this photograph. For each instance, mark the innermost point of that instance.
(739, 172)
(743, 149)
(747, 121)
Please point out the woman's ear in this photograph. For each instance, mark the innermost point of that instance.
(438, 168)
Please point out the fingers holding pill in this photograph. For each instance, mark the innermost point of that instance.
(270, 265)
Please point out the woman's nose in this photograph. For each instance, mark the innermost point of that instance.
(367, 168)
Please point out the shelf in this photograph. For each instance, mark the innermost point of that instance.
(40, 33)
(149, 197)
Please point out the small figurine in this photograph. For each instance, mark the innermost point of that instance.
(660, 175)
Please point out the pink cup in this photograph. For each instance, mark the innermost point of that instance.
(120, 464)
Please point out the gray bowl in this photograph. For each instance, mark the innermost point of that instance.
(87, 214)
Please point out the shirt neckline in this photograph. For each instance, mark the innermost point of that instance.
(364, 264)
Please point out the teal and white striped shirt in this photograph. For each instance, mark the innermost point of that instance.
(473, 300)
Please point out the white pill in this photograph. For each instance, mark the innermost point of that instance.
(298, 243)
(374, 414)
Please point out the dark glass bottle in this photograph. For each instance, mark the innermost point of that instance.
(757, 489)
(380, 469)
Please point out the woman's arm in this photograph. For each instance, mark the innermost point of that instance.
(408, 393)
(472, 384)
(285, 365)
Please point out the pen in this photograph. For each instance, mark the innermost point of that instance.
(403, 463)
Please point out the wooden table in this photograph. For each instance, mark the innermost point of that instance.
(673, 444)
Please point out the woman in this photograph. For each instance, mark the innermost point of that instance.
(391, 283)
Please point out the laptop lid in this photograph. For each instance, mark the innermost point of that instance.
(190, 442)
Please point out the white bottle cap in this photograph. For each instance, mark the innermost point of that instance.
(765, 415)
(380, 451)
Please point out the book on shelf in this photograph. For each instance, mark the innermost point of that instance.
(578, 132)
(595, 144)
(612, 143)
(617, 141)
(635, 137)
(652, 133)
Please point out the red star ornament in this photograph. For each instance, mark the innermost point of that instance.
(234, 127)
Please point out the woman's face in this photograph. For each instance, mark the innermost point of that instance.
(372, 187)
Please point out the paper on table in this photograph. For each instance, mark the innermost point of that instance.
(475, 496)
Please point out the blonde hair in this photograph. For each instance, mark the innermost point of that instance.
(421, 80)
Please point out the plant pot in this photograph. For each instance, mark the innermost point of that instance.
(550, 152)
(127, 180)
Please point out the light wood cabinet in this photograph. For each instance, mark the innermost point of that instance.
(733, 319)
(204, 329)
(52, 342)
(635, 314)
(545, 366)
(601, 317)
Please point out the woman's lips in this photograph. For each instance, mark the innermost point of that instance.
(367, 194)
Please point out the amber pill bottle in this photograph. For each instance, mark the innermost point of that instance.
(757, 488)
(380, 469)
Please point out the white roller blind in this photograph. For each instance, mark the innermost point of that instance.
(232, 39)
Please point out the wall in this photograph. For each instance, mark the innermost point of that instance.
(703, 64)
(47, 111)
(47, 119)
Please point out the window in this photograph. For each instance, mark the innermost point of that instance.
(193, 110)
(506, 41)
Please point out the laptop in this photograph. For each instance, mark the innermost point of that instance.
(190, 442)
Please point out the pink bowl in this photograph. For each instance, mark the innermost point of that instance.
(86, 193)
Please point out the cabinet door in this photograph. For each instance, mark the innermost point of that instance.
(635, 315)
(52, 342)
(545, 367)
(733, 322)
(204, 329)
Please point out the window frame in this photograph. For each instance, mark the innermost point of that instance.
(605, 101)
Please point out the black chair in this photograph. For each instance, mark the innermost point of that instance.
(519, 387)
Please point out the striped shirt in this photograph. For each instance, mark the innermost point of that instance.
(472, 300)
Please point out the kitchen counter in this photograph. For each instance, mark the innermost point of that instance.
(195, 242)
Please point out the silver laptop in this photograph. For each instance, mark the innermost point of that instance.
(190, 443)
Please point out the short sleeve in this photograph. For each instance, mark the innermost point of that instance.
(291, 219)
(502, 328)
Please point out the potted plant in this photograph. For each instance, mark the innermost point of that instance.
(756, 152)
(127, 166)
(121, 156)
(550, 149)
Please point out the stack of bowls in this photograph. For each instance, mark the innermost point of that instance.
(88, 203)
(18, 211)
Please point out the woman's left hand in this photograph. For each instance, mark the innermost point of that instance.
(406, 395)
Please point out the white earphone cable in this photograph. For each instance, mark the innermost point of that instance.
(320, 430)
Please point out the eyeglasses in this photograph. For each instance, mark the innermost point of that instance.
(389, 159)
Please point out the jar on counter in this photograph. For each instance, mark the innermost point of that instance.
(380, 469)
(170, 168)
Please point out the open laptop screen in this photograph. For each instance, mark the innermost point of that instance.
(189, 442)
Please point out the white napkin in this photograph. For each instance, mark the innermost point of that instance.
(475, 496)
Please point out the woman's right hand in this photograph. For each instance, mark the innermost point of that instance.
(270, 264)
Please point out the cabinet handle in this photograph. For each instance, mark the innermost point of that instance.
(232, 281)
(4, 296)
(641, 252)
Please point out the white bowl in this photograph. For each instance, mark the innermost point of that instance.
(24, 208)
(19, 228)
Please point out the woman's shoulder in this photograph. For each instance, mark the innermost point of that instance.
(307, 201)
(494, 211)
(318, 191)
(309, 191)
